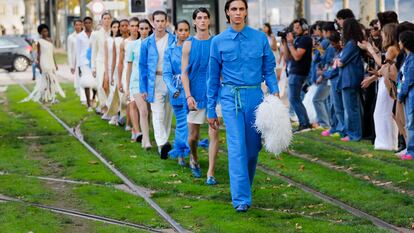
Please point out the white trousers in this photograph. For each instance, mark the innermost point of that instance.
(100, 70)
(161, 112)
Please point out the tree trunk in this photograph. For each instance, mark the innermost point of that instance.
(299, 9)
(367, 11)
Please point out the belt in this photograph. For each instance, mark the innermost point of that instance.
(236, 91)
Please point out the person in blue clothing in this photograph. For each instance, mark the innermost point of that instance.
(243, 58)
(332, 74)
(194, 69)
(172, 78)
(151, 84)
(406, 89)
(351, 75)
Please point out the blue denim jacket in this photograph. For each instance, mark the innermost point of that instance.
(352, 70)
(242, 59)
(171, 73)
(148, 65)
(407, 77)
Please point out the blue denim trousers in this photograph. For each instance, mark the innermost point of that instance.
(295, 87)
(352, 109)
(409, 120)
(319, 102)
(337, 109)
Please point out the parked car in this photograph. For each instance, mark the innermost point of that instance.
(14, 53)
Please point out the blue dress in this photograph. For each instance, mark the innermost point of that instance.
(172, 78)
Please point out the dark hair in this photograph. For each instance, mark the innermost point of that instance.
(159, 13)
(387, 17)
(182, 21)
(270, 28)
(345, 14)
(312, 28)
(227, 7)
(123, 20)
(303, 23)
(149, 24)
(41, 27)
(76, 21)
(404, 26)
(373, 22)
(407, 39)
(106, 13)
(87, 18)
(134, 19)
(198, 10)
(329, 26)
(118, 33)
(319, 24)
(352, 30)
(335, 37)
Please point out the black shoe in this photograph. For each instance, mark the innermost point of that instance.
(164, 150)
(303, 128)
(139, 138)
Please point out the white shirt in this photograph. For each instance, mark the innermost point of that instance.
(98, 40)
(83, 42)
(161, 47)
(72, 49)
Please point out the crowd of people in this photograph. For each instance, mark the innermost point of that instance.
(351, 81)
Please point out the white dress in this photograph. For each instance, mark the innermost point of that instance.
(385, 127)
(47, 86)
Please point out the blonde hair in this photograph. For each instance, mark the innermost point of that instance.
(390, 36)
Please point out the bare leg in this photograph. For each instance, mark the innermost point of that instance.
(194, 136)
(144, 121)
(212, 150)
(88, 95)
(134, 118)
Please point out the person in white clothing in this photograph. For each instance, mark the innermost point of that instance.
(71, 51)
(109, 58)
(83, 47)
(98, 40)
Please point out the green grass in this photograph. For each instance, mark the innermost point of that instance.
(61, 58)
(176, 190)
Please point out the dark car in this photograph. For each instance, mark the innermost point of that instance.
(14, 53)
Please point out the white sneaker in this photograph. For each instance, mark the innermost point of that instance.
(90, 109)
(105, 117)
(127, 128)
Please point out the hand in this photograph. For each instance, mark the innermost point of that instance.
(289, 37)
(144, 96)
(94, 73)
(363, 45)
(72, 70)
(176, 94)
(191, 103)
(319, 80)
(367, 82)
(277, 95)
(214, 123)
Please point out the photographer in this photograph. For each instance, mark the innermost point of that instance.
(298, 54)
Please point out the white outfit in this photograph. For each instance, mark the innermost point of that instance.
(308, 103)
(72, 51)
(47, 86)
(83, 44)
(114, 97)
(386, 129)
(197, 117)
(98, 40)
(110, 45)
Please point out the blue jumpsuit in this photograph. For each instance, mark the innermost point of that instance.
(197, 70)
(406, 95)
(172, 78)
(243, 59)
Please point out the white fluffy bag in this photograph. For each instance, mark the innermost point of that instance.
(273, 122)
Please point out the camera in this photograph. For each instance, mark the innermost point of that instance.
(283, 33)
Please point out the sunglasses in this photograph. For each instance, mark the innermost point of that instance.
(375, 28)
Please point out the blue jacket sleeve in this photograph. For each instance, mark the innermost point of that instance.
(330, 73)
(143, 69)
(329, 56)
(407, 84)
(167, 71)
(268, 68)
(349, 52)
(213, 80)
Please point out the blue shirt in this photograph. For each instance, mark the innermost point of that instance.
(242, 59)
(197, 70)
(148, 65)
(171, 73)
(407, 81)
(352, 70)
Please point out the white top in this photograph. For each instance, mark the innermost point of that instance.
(47, 63)
(72, 49)
(161, 47)
(83, 42)
(98, 39)
(110, 46)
